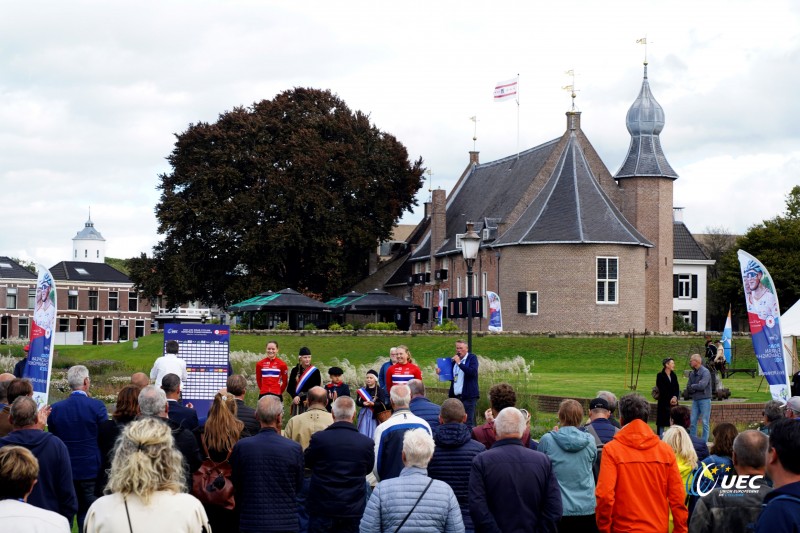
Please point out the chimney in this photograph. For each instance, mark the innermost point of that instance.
(677, 214)
(427, 212)
(438, 222)
(473, 158)
(573, 120)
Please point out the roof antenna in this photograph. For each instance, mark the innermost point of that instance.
(429, 172)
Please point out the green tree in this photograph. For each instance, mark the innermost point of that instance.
(776, 243)
(290, 192)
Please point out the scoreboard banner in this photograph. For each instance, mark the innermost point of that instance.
(206, 350)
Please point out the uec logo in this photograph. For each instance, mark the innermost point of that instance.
(702, 481)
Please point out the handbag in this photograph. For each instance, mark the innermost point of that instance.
(655, 393)
(211, 483)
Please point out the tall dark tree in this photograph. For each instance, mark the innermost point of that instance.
(716, 242)
(294, 191)
(776, 243)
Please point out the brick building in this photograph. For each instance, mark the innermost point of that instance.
(17, 299)
(567, 245)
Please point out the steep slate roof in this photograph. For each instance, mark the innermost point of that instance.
(14, 270)
(572, 208)
(684, 245)
(97, 272)
(490, 190)
(645, 120)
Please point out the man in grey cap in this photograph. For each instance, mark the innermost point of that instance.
(793, 407)
(599, 426)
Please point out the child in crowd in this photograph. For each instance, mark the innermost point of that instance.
(336, 387)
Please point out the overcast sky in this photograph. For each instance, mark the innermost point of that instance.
(92, 93)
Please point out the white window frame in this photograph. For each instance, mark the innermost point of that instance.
(31, 298)
(459, 236)
(685, 286)
(606, 281)
(458, 287)
(11, 294)
(528, 303)
(24, 324)
(426, 299)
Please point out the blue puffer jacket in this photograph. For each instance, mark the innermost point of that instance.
(572, 452)
(267, 472)
(394, 498)
(426, 410)
(452, 461)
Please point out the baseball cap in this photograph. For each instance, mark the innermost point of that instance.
(794, 404)
(598, 403)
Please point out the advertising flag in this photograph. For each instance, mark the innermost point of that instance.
(764, 317)
(506, 90)
(495, 312)
(439, 311)
(40, 354)
(726, 338)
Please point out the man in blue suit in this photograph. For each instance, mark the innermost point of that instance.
(465, 380)
(184, 416)
(75, 421)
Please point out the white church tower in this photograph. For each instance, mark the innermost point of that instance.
(88, 245)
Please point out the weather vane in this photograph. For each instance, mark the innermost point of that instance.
(429, 172)
(571, 88)
(474, 120)
(643, 41)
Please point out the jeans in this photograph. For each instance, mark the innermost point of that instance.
(84, 491)
(702, 409)
(469, 407)
(302, 512)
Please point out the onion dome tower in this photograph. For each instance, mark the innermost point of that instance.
(646, 178)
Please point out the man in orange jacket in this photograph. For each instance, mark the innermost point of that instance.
(639, 482)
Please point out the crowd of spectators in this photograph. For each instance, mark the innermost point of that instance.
(420, 466)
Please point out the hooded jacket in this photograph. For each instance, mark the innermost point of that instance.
(572, 453)
(639, 483)
(781, 510)
(452, 461)
(54, 490)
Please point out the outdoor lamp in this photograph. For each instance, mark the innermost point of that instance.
(470, 243)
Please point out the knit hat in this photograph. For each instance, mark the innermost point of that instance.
(374, 373)
(335, 371)
(304, 351)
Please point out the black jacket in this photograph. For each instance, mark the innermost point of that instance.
(248, 416)
(452, 460)
(339, 458)
(182, 415)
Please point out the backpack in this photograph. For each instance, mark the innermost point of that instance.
(211, 483)
(599, 444)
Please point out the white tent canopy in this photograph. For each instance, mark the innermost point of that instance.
(790, 330)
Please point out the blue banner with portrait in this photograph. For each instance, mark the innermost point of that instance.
(206, 350)
(495, 311)
(39, 361)
(764, 318)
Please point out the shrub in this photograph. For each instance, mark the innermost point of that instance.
(335, 327)
(447, 325)
(679, 324)
(381, 326)
(310, 327)
(282, 325)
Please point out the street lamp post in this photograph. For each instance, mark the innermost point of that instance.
(470, 243)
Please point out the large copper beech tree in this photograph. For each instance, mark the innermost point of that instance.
(290, 192)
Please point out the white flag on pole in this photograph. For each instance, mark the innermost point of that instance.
(506, 90)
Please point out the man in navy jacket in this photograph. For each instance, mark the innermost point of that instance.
(422, 406)
(75, 421)
(465, 380)
(782, 505)
(184, 416)
(267, 473)
(511, 487)
(452, 458)
(339, 458)
(54, 490)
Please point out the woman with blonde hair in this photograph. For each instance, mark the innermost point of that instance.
(403, 371)
(572, 452)
(146, 481)
(678, 439)
(216, 439)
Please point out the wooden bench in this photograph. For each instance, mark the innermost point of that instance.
(730, 371)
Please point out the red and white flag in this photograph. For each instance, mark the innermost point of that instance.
(506, 90)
